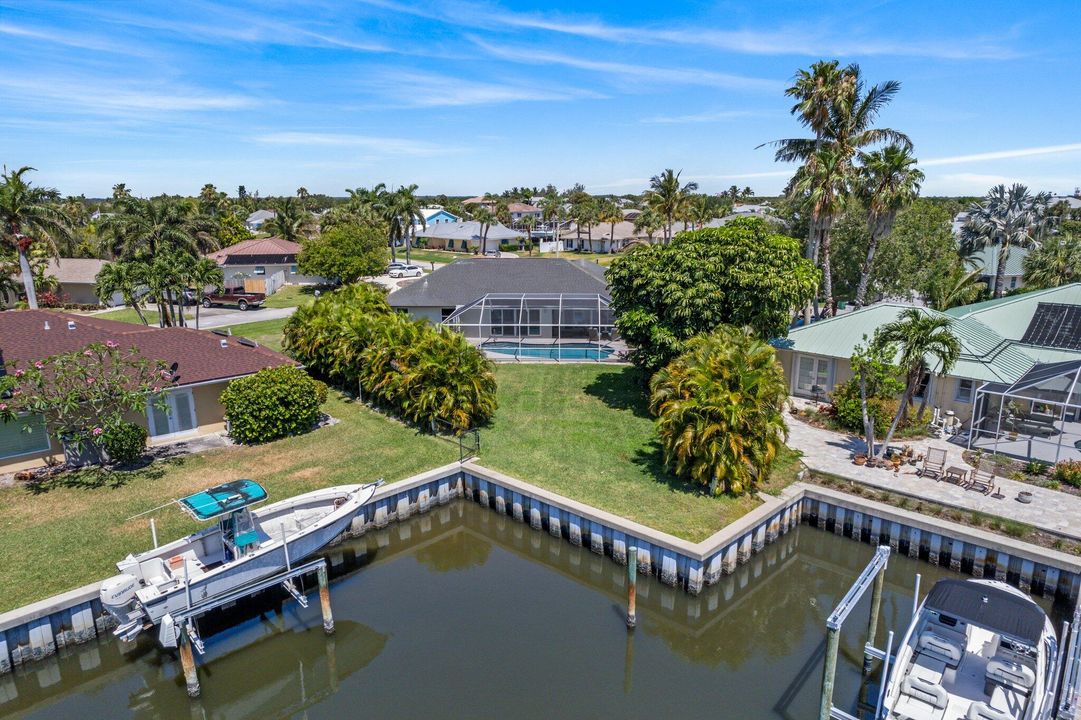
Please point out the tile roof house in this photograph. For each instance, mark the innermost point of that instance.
(435, 296)
(262, 258)
(1002, 341)
(205, 362)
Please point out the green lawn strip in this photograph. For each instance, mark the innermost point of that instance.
(584, 431)
(73, 531)
(599, 258)
(430, 256)
(128, 315)
(265, 332)
(292, 296)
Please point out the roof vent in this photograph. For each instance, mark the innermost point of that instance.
(224, 343)
(71, 324)
(247, 343)
(46, 324)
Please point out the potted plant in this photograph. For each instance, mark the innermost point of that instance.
(860, 459)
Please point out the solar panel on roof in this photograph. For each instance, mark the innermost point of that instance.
(1055, 325)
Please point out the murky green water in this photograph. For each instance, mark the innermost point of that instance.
(461, 613)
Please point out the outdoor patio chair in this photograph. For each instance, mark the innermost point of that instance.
(982, 480)
(934, 463)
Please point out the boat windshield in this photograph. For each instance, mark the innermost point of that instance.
(223, 499)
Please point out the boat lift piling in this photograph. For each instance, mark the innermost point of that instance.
(632, 586)
(873, 574)
(184, 621)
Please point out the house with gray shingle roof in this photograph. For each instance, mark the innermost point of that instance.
(437, 295)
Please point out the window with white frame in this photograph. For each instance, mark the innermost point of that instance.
(260, 270)
(965, 388)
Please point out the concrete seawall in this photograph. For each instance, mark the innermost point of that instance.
(38, 630)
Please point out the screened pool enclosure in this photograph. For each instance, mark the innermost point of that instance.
(540, 326)
(1038, 417)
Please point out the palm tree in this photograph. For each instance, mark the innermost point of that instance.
(666, 197)
(824, 181)
(699, 212)
(291, 220)
(29, 215)
(403, 212)
(610, 213)
(888, 181)
(126, 277)
(203, 273)
(9, 289)
(1056, 262)
(527, 223)
(120, 191)
(960, 285)
(485, 217)
(148, 226)
(719, 410)
(920, 336)
(552, 213)
(649, 222)
(1007, 218)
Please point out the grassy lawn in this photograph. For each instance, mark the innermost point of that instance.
(72, 531)
(579, 430)
(292, 296)
(128, 315)
(429, 256)
(584, 431)
(265, 332)
(604, 259)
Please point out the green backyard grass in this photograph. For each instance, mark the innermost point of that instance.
(429, 256)
(265, 332)
(292, 296)
(579, 430)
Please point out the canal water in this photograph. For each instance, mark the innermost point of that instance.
(462, 613)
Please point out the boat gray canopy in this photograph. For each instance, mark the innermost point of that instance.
(987, 606)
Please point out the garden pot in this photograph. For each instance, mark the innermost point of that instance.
(1024, 497)
(860, 460)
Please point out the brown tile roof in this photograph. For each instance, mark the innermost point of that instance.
(517, 207)
(258, 246)
(198, 353)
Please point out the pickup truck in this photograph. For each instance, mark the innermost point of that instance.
(234, 296)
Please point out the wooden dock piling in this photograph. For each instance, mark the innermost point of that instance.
(872, 620)
(187, 661)
(324, 600)
(632, 585)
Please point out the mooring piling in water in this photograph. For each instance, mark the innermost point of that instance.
(187, 661)
(632, 585)
(872, 620)
(324, 600)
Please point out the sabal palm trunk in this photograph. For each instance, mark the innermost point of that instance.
(1000, 271)
(408, 242)
(868, 421)
(28, 280)
(906, 398)
(865, 271)
(827, 270)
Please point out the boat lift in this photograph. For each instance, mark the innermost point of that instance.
(179, 628)
(1067, 673)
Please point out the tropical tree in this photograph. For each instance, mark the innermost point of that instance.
(527, 223)
(345, 253)
(552, 213)
(9, 289)
(743, 274)
(485, 217)
(403, 212)
(699, 212)
(825, 183)
(888, 181)
(126, 277)
(610, 213)
(145, 227)
(1006, 218)
(29, 215)
(1057, 261)
(925, 343)
(956, 285)
(202, 274)
(121, 191)
(719, 410)
(666, 197)
(291, 220)
(649, 222)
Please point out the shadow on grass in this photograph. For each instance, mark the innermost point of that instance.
(651, 457)
(99, 478)
(624, 388)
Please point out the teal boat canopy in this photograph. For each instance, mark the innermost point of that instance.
(223, 499)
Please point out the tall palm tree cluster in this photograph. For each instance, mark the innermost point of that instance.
(29, 215)
(848, 158)
(668, 199)
(398, 212)
(431, 376)
(1007, 218)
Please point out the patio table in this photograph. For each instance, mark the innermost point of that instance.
(955, 474)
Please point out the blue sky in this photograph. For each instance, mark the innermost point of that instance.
(464, 97)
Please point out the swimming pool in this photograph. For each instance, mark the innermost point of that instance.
(566, 351)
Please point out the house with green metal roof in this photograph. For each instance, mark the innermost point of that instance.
(1001, 341)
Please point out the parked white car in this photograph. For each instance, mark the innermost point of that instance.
(406, 271)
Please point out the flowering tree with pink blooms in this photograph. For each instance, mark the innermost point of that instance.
(84, 394)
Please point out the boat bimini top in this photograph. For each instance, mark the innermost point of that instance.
(985, 605)
(222, 499)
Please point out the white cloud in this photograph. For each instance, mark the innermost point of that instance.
(703, 117)
(1004, 154)
(381, 145)
(662, 75)
(416, 89)
(99, 96)
(68, 39)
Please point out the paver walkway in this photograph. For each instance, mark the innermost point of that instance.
(830, 452)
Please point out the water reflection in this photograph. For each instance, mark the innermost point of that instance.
(463, 613)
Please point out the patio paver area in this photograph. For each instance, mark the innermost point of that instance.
(829, 452)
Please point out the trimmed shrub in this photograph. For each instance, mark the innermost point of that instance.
(1069, 472)
(273, 403)
(124, 442)
(848, 412)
